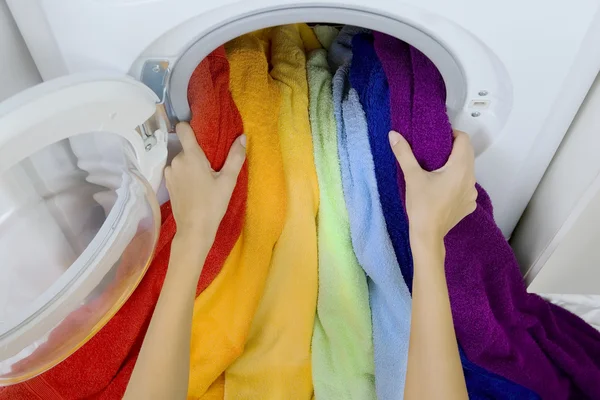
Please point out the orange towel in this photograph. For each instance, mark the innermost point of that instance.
(224, 311)
(276, 363)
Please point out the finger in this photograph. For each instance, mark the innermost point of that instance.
(187, 138)
(473, 194)
(456, 132)
(471, 208)
(403, 153)
(168, 176)
(235, 159)
(462, 150)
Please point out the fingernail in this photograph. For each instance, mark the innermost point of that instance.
(243, 140)
(394, 137)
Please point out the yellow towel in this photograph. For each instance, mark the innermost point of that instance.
(216, 391)
(223, 312)
(276, 363)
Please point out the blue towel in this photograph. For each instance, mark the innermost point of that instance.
(485, 385)
(368, 77)
(388, 295)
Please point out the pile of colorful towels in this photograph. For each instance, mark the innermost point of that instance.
(307, 289)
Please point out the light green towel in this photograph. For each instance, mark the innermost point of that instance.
(342, 344)
(326, 34)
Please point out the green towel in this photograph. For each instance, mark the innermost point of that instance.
(326, 34)
(342, 343)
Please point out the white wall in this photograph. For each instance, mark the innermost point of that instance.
(17, 69)
(557, 241)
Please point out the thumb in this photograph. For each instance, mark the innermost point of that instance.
(235, 159)
(403, 153)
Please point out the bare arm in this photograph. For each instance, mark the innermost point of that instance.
(199, 197)
(435, 201)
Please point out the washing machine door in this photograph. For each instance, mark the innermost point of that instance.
(80, 160)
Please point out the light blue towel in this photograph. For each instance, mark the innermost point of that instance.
(389, 296)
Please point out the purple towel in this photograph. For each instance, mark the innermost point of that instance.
(369, 81)
(500, 326)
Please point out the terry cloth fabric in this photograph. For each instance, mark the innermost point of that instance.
(217, 123)
(340, 51)
(326, 34)
(479, 382)
(342, 344)
(115, 347)
(368, 78)
(500, 326)
(224, 311)
(276, 362)
(389, 297)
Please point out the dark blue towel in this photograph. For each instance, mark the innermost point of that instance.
(368, 78)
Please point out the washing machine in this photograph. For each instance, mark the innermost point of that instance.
(81, 155)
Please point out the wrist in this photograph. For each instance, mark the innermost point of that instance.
(425, 234)
(196, 232)
(426, 239)
(188, 254)
(193, 244)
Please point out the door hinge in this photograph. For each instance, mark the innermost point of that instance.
(155, 75)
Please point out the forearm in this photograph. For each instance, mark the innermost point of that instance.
(434, 368)
(162, 368)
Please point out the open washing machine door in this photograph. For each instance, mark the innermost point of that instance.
(80, 160)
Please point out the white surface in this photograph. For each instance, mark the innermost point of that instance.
(585, 307)
(562, 212)
(17, 69)
(551, 61)
(574, 265)
(79, 103)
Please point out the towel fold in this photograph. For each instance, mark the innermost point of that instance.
(368, 78)
(326, 34)
(389, 296)
(224, 311)
(102, 367)
(500, 326)
(275, 363)
(340, 50)
(342, 344)
(217, 123)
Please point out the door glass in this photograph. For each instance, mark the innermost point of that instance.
(78, 225)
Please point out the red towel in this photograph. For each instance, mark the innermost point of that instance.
(217, 123)
(101, 368)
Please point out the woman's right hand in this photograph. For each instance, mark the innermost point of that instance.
(438, 200)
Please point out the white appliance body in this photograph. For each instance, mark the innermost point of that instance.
(547, 52)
